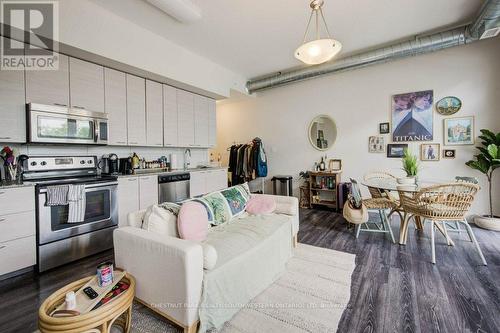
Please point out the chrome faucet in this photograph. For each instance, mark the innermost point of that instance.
(187, 157)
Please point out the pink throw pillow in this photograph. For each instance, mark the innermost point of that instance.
(192, 222)
(261, 204)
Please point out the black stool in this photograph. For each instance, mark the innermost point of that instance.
(285, 185)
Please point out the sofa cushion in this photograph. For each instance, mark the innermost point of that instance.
(218, 210)
(237, 198)
(241, 235)
(162, 219)
(261, 205)
(192, 221)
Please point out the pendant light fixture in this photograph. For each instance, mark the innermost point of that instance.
(319, 50)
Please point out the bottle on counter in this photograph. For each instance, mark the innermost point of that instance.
(135, 161)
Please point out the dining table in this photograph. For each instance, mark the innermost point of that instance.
(388, 185)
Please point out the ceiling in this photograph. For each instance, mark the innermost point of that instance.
(256, 37)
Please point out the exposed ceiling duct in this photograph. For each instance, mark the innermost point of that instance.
(184, 11)
(485, 25)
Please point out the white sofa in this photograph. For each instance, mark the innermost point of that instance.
(172, 281)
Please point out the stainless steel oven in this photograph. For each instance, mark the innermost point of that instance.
(58, 124)
(59, 241)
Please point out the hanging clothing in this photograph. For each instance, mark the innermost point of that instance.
(247, 162)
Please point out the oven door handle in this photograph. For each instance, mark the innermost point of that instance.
(91, 186)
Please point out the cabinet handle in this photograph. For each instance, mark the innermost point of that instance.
(144, 177)
(122, 142)
(1, 220)
(60, 104)
(3, 246)
(2, 192)
(133, 143)
(78, 107)
(132, 179)
(5, 138)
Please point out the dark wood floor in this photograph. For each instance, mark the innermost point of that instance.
(394, 288)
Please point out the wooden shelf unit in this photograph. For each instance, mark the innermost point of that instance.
(321, 194)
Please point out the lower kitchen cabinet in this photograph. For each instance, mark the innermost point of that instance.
(17, 229)
(206, 181)
(136, 193)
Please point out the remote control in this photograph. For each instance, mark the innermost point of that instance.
(90, 293)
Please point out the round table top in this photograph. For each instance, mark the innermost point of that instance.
(392, 185)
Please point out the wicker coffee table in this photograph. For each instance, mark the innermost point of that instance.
(116, 312)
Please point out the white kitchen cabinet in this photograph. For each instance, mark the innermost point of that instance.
(170, 131)
(115, 105)
(212, 123)
(128, 198)
(197, 183)
(17, 229)
(154, 114)
(12, 106)
(148, 191)
(136, 110)
(185, 120)
(203, 182)
(216, 180)
(200, 121)
(49, 87)
(86, 82)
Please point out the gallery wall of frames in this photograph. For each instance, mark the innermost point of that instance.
(412, 121)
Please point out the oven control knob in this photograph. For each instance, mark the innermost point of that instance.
(33, 163)
(90, 161)
(82, 162)
(43, 163)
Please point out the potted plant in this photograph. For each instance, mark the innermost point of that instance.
(304, 175)
(410, 166)
(486, 162)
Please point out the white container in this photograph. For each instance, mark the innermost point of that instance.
(406, 181)
(70, 300)
(173, 161)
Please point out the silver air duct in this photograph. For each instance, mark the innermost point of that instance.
(487, 19)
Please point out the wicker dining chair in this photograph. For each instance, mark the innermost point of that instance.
(381, 205)
(378, 193)
(441, 203)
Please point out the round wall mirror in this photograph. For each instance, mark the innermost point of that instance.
(322, 132)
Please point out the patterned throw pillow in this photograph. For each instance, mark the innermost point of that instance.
(237, 198)
(217, 208)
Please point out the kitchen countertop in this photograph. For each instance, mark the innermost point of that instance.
(7, 185)
(173, 172)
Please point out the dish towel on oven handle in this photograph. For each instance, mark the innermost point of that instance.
(77, 203)
(57, 195)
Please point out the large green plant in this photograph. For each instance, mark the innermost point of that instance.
(410, 163)
(488, 159)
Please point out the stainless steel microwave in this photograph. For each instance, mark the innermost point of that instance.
(58, 124)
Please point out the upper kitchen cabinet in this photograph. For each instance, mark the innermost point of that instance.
(136, 111)
(49, 87)
(12, 105)
(185, 121)
(115, 105)
(169, 116)
(154, 114)
(86, 85)
(200, 121)
(212, 123)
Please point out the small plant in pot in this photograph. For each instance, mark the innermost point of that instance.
(410, 166)
(486, 162)
(304, 175)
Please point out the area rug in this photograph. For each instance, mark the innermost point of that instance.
(309, 297)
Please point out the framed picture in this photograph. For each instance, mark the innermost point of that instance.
(384, 128)
(335, 165)
(459, 131)
(396, 150)
(449, 153)
(448, 105)
(376, 144)
(412, 116)
(430, 151)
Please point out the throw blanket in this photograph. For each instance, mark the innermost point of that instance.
(252, 253)
(77, 202)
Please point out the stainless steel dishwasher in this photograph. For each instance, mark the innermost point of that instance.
(173, 187)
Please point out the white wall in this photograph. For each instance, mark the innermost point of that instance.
(358, 101)
(90, 27)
